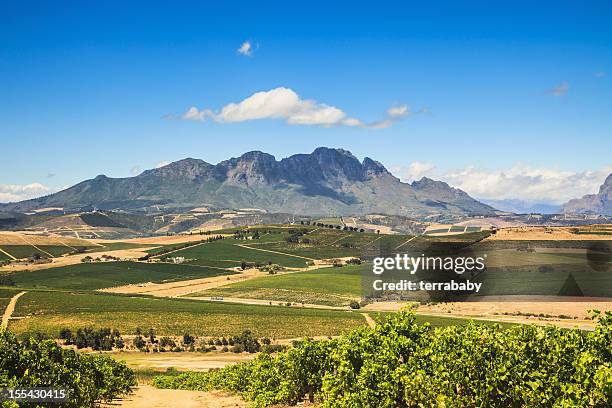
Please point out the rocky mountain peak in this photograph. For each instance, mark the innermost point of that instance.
(186, 168)
(437, 188)
(606, 187)
(253, 167)
(373, 167)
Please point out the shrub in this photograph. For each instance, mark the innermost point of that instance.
(188, 339)
(167, 342)
(139, 343)
(101, 339)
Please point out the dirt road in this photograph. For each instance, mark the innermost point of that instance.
(146, 396)
(371, 322)
(185, 287)
(267, 302)
(275, 252)
(10, 308)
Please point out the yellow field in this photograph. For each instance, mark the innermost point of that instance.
(19, 238)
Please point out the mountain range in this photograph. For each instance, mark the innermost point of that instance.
(600, 203)
(518, 206)
(324, 182)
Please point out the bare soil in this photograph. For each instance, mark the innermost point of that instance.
(546, 234)
(146, 396)
(561, 311)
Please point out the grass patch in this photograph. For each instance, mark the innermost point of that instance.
(329, 286)
(311, 251)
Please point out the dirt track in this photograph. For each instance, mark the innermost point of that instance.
(371, 322)
(10, 308)
(267, 302)
(147, 396)
(181, 288)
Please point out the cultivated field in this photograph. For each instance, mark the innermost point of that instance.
(49, 311)
(91, 276)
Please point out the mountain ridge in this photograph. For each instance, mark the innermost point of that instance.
(326, 181)
(599, 203)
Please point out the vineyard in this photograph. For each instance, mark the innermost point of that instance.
(400, 363)
(89, 379)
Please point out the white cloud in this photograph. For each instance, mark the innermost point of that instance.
(600, 74)
(246, 49)
(284, 103)
(559, 90)
(398, 111)
(414, 171)
(134, 171)
(19, 192)
(194, 114)
(536, 184)
(162, 164)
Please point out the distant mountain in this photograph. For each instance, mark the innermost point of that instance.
(600, 203)
(522, 206)
(327, 181)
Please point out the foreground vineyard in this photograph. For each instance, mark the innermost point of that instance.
(87, 378)
(401, 363)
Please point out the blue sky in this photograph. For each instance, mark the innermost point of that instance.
(498, 99)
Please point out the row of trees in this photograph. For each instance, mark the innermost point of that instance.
(332, 226)
(105, 339)
(245, 342)
(103, 258)
(102, 339)
(400, 363)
